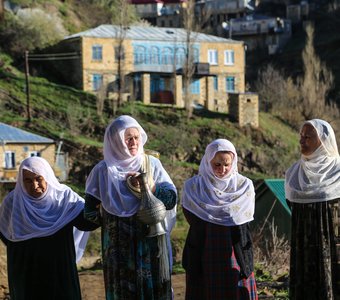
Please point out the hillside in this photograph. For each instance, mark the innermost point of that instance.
(289, 60)
(66, 114)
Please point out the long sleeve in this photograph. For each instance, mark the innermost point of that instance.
(83, 224)
(92, 210)
(167, 196)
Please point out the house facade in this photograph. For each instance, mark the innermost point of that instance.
(210, 13)
(163, 13)
(16, 145)
(259, 31)
(152, 61)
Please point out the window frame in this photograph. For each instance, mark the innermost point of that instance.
(97, 52)
(95, 81)
(12, 160)
(213, 57)
(228, 81)
(229, 57)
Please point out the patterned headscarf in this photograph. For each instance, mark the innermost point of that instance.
(23, 217)
(226, 201)
(316, 177)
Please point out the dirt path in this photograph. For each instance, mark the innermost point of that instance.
(91, 282)
(92, 285)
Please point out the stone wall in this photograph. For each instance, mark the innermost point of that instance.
(244, 108)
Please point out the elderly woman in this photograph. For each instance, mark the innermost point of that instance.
(135, 265)
(39, 222)
(218, 204)
(312, 187)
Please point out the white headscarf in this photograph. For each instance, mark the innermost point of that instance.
(23, 217)
(316, 178)
(107, 180)
(226, 201)
(109, 184)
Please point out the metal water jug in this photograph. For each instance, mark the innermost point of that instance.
(152, 211)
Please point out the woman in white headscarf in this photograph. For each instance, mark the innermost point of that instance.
(42, 223)
(312, 187)
(218, 203)
(134, 267)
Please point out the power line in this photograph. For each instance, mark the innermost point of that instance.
(54, 58)
(47, 119)
(53, 54)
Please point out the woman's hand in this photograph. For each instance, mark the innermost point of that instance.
(134, 179)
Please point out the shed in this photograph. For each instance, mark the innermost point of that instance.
(16, 145)
(271, 206)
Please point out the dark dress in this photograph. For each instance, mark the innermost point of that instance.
(130, 259)
(313, 254)
(45, 268)
(218, 261)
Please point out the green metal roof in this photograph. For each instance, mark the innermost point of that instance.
(277, 186)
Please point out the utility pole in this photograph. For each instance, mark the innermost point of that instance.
(27, 88)
(2, 10)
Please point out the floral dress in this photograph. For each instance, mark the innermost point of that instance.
(130, 258)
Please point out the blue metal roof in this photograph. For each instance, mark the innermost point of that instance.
(277, 186)
(10, 134)
(170, 35)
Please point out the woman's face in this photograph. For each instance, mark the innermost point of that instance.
(309, 140)
(221, 163)
(35, 185)
(132, 140)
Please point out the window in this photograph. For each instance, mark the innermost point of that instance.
(230, 84)
(229, 58)
(140, 55)
(119, 53)
(9, 160)
(196, 55)
(33, 153)
(167, 56)
(212, 57)
(195, 86)
(97, 52)
(154, 59)
(215, 82)
(97, 81)
(180, 56)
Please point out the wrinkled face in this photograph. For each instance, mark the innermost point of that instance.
(35, 185)
(221, 163)
(132, 140)
(309, 140)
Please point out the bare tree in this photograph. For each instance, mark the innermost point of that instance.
(100, 100)
(270, 86)
(123, 14)
(189, 65)
(304, 99)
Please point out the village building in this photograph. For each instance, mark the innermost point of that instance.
(260, 32)
(17, 144)
(151, 61)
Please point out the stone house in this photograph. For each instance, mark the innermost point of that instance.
(16, 145)
(151, 60)
(260, 31)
